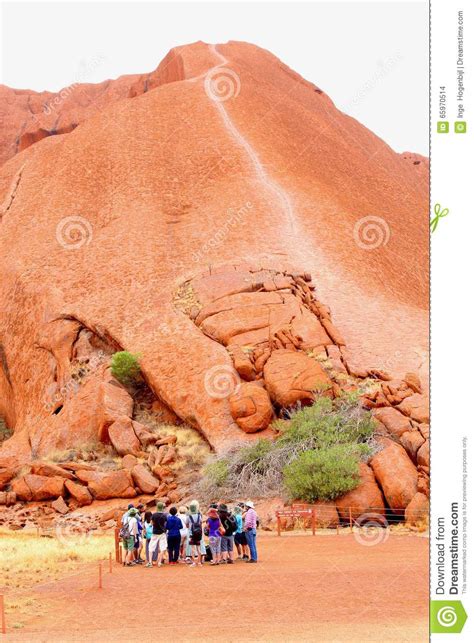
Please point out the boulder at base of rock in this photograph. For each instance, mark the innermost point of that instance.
(292, 377)
(396, 475)
(418, 509)
(129, 461)
(80, 494)
(123, 437)
(364, 499)
(47, 469)
(251, 407)
(113, 484)
(411, 441)
(423, 455)
(115, 403)
(144, 480)
(395, 422)
(417, 407)
(145, 436)
(60, 506)
(326, 515)
(5, 476)
(34, 487)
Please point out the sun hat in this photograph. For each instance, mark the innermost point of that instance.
(160, 506)
(237, 509)
(133, 512)
(222, 507)
(130, 506)
(250, 504)
(212, 512)
(194, 506)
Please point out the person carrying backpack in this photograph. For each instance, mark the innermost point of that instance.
(158, 540)
(196, 536)
(227, 538)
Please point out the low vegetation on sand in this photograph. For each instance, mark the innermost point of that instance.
(27, 559)
(314, 456)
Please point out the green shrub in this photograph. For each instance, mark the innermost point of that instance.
(125, 367)
(217, 472)
(323, 428)
(323, 474)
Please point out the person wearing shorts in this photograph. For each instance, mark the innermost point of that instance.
(130, 541)
(196, 547)
(158, 540)
(227, 538)
(213, 525)
(240, 537)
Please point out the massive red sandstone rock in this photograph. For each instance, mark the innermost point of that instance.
(48, 469)
(395, 422)
(417, 407)
(396, 475)
(174, 199)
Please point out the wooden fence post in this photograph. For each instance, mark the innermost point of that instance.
(118, 557)
(313, 520)
(278, 524)
(2, 610)
(350, 518)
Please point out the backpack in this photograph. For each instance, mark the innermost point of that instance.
(125, 531)
(232, 524)
(196, 528)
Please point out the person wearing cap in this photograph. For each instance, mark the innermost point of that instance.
(214, 526)
(239, 537)
(130, 541)
(158, 539)
(250, 526)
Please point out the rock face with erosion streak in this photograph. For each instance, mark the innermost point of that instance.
(234, 326)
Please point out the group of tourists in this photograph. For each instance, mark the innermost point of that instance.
(185, 535)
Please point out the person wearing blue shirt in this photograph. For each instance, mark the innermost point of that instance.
(173, 529)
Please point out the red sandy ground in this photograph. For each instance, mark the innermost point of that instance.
(305, 588)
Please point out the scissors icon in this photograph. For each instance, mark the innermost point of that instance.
(439, 214)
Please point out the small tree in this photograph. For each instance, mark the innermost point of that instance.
(125, 367)
(323, 474)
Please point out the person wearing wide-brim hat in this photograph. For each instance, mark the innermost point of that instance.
(214, 526)
(227, 534)
(250, 526)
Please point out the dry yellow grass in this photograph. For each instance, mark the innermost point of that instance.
(27, 559)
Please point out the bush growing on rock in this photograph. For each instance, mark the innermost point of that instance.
(326, 430)
(125, 367)
(323, 474)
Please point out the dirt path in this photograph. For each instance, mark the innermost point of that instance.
(323, 588)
